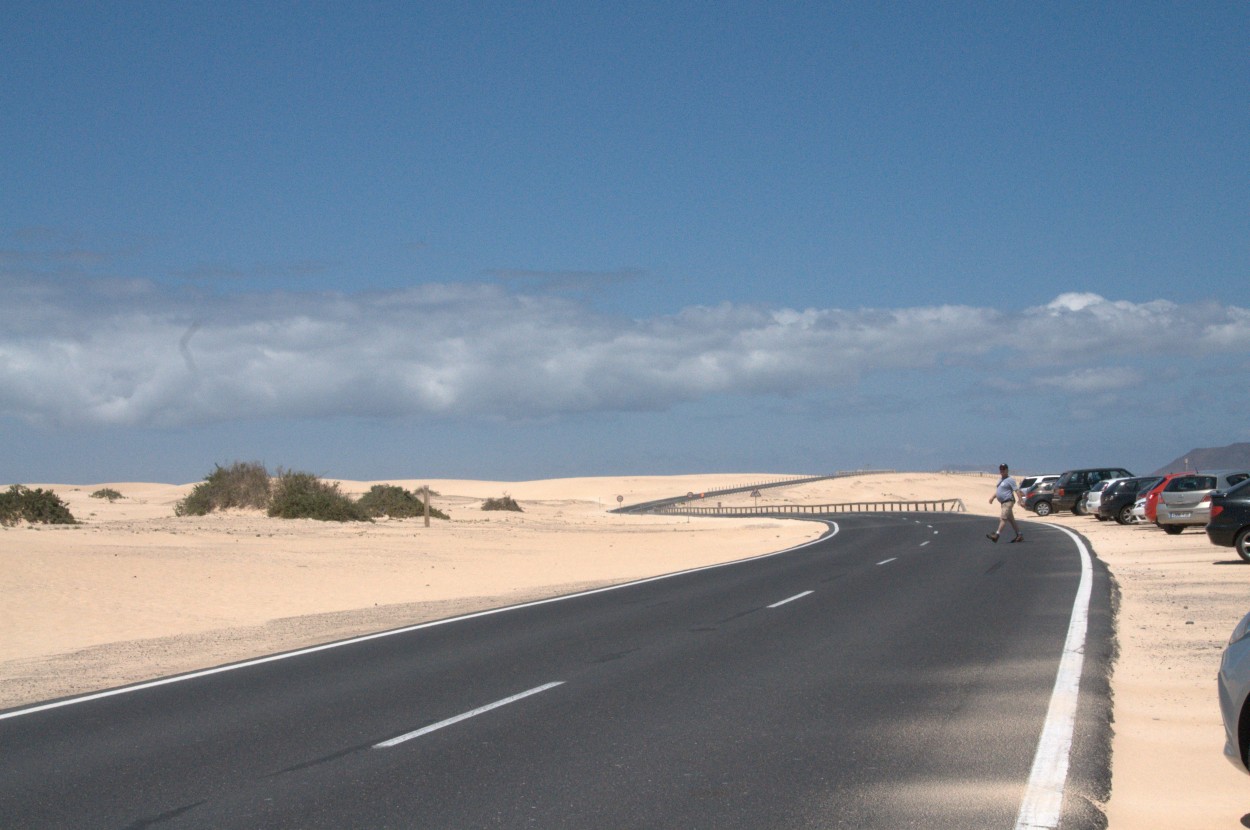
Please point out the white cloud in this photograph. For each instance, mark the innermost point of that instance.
(131, 353)
(1100, 379)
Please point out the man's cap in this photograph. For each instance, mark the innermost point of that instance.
(1002, 466)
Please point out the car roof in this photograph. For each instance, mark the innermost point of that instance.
(1233, 472)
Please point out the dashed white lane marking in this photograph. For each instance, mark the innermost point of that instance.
(925, 542)
(887, 561)
(1043, 796)
(425, 730)
(789, 599)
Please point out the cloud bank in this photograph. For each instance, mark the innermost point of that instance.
(133, 353)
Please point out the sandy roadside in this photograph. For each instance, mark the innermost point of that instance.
(135, 592)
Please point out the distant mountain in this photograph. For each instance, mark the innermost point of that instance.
(1232, 457)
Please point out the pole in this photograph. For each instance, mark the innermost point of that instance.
(427, 505)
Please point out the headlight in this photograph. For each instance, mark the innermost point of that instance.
(1241, 631)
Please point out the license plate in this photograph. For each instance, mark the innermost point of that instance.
(1182, 514)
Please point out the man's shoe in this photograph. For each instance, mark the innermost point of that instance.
(993, 537)
(1018, 539)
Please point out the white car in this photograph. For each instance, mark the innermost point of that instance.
(1234, 684)
(1139, 510)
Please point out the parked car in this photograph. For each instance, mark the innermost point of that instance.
(1150, 498)
(1117, 500)
(1234, 686)
(1229, 525)
(1073, 484)
(1186, 500)
(1030, 481)
(1093, 498)
(1035, 491)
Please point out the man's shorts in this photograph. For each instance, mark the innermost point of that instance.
(1005, 509)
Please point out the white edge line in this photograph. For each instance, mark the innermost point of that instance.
(272, 658)
(425, 730)
(1042, 806)
(789, 599)
(887, 561)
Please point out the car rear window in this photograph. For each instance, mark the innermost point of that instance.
(1237, 478)
(1187, 484)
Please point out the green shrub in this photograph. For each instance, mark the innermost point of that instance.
(242, 484)
(107, 493)
(304, 496)
(396, 502)
(504, 503)
(22, 503)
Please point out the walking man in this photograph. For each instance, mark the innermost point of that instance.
(1005, 494)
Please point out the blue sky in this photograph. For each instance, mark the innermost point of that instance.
(513, 241)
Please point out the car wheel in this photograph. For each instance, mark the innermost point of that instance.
(1242, 544)
(1100, 517)
(1042, 508)
(1078, 508)
(1172, 530)
(1125, 516)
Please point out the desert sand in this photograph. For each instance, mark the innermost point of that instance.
(134, 593)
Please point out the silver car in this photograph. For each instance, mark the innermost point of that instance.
(1234, 684)
(1186, 500)
(1093, 497)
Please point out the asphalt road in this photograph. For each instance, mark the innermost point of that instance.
(896, 674)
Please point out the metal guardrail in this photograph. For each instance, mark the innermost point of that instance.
(793, 510)
(659, 505)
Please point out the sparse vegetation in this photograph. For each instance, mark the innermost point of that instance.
(107, 493)
(506, 502)
(244, 484)
(396, 502)
(20, 503)
(304, 496)
(295, 495)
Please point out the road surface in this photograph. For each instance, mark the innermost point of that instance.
(898, 673)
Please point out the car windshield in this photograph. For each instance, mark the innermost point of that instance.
(1144, 484)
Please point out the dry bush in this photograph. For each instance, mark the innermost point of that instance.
(242, 484)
